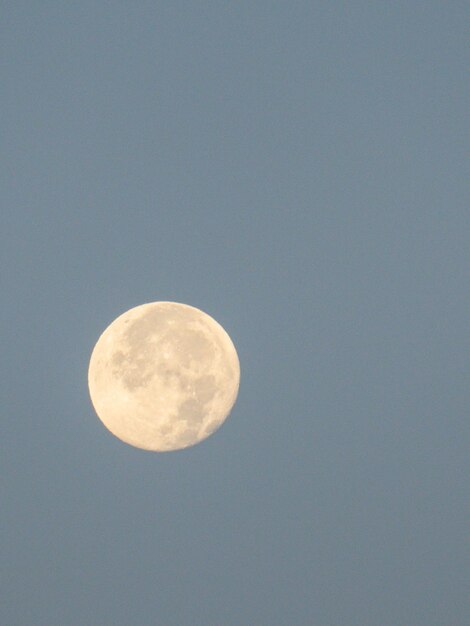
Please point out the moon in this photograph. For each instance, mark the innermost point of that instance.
(163, 376)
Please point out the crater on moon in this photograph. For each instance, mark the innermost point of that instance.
(163, 376)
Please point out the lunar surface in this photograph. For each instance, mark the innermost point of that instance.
(163, 376)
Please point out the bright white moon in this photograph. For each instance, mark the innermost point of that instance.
(163, 376)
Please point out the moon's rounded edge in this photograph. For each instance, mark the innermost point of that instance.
(136, 312)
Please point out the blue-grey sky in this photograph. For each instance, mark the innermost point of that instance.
(296, 170)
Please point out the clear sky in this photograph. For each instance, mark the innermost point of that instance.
(296, 170)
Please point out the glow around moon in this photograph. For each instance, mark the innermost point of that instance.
(163, 376)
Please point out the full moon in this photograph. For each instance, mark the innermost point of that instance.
(163, 376)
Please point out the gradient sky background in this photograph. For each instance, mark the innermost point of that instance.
(296, 170)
